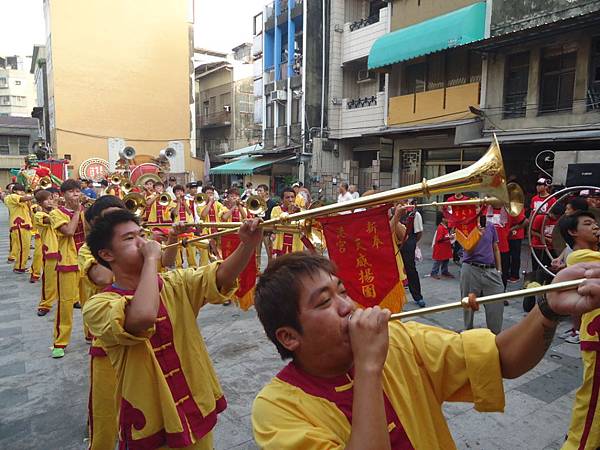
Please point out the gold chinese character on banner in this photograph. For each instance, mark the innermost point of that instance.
(362, 261)
(368, 291)
(376, 241)
(371, 227)
(366, 276)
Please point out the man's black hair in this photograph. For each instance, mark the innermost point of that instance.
(287, 189)
(42, 195)
(558, 209)
(178, 187)
(277, 294)
(264, 186)
(569, 223)
(103, 231)
(578, 204)
(102, 203)
(69, 185)
(18, 187)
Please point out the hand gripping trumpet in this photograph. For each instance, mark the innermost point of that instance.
(486, 175)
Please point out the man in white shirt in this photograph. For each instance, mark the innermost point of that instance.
(344, 195)
(172, 181)
(352, 189)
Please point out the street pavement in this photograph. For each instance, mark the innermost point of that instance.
(43, 402)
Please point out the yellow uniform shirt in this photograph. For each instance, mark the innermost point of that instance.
(285, 242)
(425, 367)
(584, 430)
(19, 213)
(68, 246)
(165, 374)
(47, 234)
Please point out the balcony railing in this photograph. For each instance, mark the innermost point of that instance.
(593, 98)
(361, 102)
(219, 119)
(439, 105)
(364, 22)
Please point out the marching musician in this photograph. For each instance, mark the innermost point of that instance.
(102, 420)
(236, 212)
(68, 223)
(49, 242)
(148, 326)
(37, 260)
(286, 242)
(20, 227)
(413, 221)
(211, 211)
(581, 232)
(183, 212)
(263, 192)
(158, 213)
(357, 381)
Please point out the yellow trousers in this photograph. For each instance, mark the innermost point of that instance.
(49, 290)
(20, 241)
(203, 250)
(102, 404)
(37, 263)
(206, 443)
(190, 254)
(68, 294)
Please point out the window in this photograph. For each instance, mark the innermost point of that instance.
(23, 144)
(593, 94)
(3, 82)
(4, 99)
(269, 113)
(17, 82)
(296, 103)
(281, 114)
(4, 148)
(516, 79)
(414, 79)
(205, 108)
(557, 79)
(258, 24)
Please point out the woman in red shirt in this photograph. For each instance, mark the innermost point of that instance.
(516, 235)
(442, 250)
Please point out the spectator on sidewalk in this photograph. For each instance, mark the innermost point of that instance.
(354, 191)
(516, 234)
(499, 218)
(481, 275)
(412, 220)
(442, 251)
(344, 195)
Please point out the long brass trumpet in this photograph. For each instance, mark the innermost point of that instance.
(464, 302)
(255, 205)
(486, 175)
(492, 201)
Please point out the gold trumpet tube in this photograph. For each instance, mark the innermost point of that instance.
(226, 226)
(493, 201)
(464, 303)
(486, 175)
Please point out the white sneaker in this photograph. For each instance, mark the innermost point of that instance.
(567, 333)
(573, 339)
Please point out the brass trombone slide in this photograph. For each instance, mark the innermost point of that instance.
(493, 201)
(464, 303)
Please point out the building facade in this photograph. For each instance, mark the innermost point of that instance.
(225, 108)
(17, 138)
(542, 96)
(17, 95)
(129, 86)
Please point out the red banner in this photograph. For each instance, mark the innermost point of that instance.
(362, 247)
(463, 218)
(247, 279)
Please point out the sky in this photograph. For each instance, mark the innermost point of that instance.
(215, 27)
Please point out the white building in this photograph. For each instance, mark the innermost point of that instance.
(17, 92)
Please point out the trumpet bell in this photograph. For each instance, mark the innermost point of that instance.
(127, 187)
(45, 183)
(255, 205)
(115, 179)
(164, 200)
(135, 202)
(145, 177)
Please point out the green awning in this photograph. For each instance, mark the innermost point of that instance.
(242, 151)
(454, 29)
(246, 165)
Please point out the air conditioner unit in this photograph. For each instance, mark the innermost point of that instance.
(227, 108)
(365, 76)
(279, 96)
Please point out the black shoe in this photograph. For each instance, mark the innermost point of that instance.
(42, 312)
(77, 305)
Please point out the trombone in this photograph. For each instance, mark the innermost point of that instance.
(486, 175)
(45, 183)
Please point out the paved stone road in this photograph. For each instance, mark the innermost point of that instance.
(43, 402)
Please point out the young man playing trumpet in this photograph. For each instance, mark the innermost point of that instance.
(183, 212)
(50, 253)
(236, 212)
(357, 381)
(168, 392)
